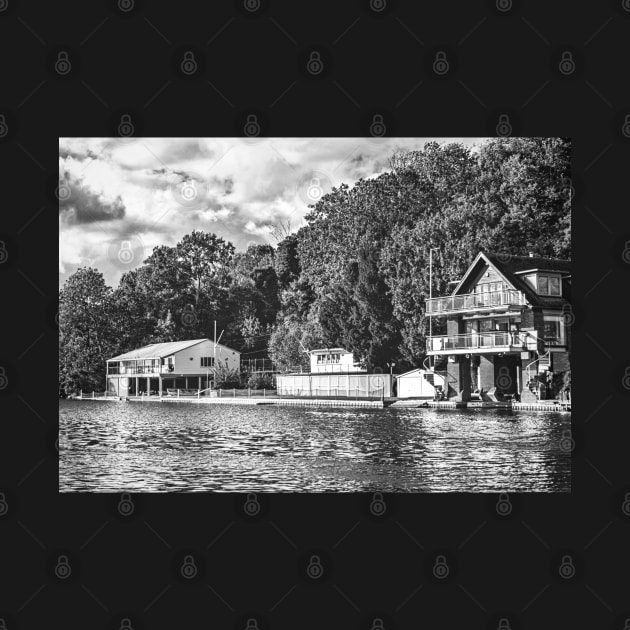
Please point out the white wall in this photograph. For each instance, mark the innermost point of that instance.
(346, 364)
(184, 365)
(415, 385)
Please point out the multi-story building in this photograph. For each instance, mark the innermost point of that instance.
(179, 365)
(506, 322)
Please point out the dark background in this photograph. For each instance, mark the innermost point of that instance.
(503, 59)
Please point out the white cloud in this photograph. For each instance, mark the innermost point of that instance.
(247, 186)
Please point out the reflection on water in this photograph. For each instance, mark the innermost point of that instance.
(153, 447)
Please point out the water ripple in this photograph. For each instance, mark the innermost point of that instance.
(142, 447)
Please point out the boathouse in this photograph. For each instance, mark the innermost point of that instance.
(157, 367)
(333, 360)
(506, 325)
(334, 373)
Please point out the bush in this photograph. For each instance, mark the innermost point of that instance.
(225, 378)
(260, 381)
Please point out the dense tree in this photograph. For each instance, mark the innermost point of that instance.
(356, 275)
(86, 335)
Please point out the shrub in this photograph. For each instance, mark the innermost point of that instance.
(260, 381)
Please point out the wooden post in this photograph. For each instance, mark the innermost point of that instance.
(92, 394)
(178, 393)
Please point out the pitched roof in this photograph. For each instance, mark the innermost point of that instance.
(158, 350)
(510, 266)
(326, 350)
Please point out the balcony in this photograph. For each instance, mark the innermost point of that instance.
(482, 343)
(137, 368)
(474, 302)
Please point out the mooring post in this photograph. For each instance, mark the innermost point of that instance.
(92, 394)
(178, 393)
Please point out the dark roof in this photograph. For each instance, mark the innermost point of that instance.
(515, 264)
(509, 266)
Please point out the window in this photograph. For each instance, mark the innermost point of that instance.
(207, 361)
(553, 332)
(543, 285)
(554, 285)
(548, 285)
(485, 325)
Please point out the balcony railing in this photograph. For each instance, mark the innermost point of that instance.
(129, 370)
(474, 301)
(501, 340)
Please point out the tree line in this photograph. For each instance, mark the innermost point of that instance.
(356, 275)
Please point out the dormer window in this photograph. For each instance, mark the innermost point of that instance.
(545, 284)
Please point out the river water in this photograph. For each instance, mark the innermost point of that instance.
(161, 447)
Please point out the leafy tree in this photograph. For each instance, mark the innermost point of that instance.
(86, 336)
(286, 261)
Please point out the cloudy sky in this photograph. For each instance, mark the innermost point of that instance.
(120, 197)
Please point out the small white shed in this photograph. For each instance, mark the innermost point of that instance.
(418, 383)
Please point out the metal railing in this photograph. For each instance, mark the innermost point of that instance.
(474, 301)
(471, 341)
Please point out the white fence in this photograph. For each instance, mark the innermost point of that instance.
(335, 384)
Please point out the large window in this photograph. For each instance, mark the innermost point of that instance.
(328, 358)
(207, 361)
(549, 285)
(553, 332)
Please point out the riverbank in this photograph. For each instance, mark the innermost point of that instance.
(340, 402)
